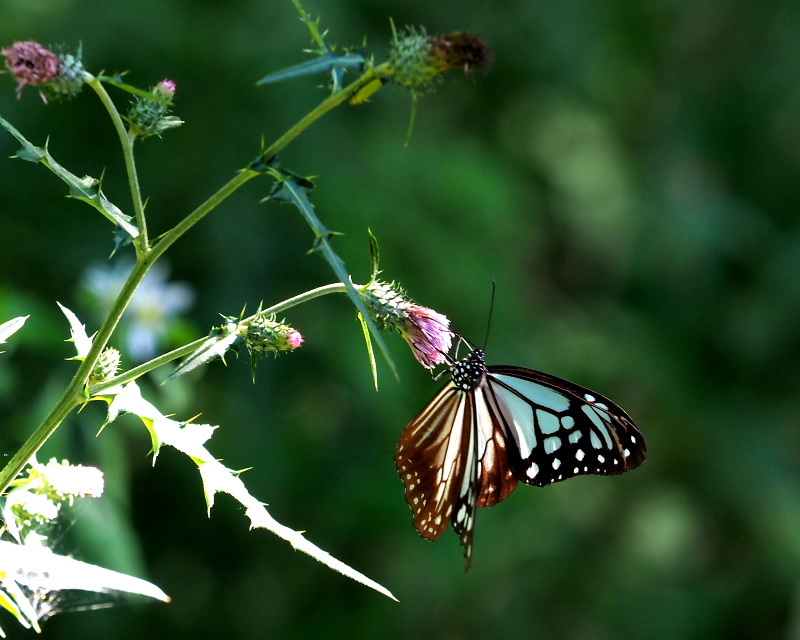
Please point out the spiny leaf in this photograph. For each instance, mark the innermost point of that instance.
(190, 439)
(77, 334)
(214, 347)
(8, 329)
(293, 189)
(86, 188)
(326, 62)
(39, 569)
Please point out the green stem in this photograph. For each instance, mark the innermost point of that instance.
(142, 243)
(336, 287)
(188, 349)
(326, 105)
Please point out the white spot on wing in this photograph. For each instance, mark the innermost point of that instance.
(556, 463)
(579, 454)
(532, 471)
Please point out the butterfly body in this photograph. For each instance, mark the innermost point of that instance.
(491, 427)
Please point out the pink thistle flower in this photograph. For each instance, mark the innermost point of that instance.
(31, 63)
(166, 88)
(294, 339)
(428, 333)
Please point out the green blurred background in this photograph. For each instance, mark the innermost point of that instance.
(628, 174)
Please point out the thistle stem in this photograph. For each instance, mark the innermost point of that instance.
(141, 243)
(188, 349)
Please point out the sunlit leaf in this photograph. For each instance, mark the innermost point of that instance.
(295, 190)
(37, 568)
(7, 329)
(77, 334)
(190, 439)
(213, 348)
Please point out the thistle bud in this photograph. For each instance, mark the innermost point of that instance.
(149, 116)
(57, 75)
(418, 60)
(106, 367)
(263, 335)
(426, 331)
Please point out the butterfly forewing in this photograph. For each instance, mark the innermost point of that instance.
(561, 429)
(433, 453)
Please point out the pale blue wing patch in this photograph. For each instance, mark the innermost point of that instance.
(536, 393)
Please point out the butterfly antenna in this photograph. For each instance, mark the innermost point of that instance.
(491, 311)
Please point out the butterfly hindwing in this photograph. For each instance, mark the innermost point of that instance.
(561, 429)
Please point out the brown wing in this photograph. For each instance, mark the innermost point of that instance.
(496, 469)
(453, 458)
(433, 453)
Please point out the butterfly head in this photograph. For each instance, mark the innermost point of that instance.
(468, 372)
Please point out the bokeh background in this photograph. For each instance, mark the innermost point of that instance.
(629, 175)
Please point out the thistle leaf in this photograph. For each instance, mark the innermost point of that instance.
(294, 189)
(37, 568)
(77, 334)
(326, 62)
(190, 439)
(213, 348)
(7, 329)
(86, 188)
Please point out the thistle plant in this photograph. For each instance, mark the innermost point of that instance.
(35, 493)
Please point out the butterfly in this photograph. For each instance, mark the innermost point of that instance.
(491, 427)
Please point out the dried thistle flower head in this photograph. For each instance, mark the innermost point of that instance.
(31, 63)
(57, 75)
(418, 60)
(426, 331)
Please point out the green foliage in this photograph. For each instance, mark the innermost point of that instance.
(627, 174)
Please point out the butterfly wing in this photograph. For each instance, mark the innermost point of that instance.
(453, 458)
(560, 429)
(434, 451)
